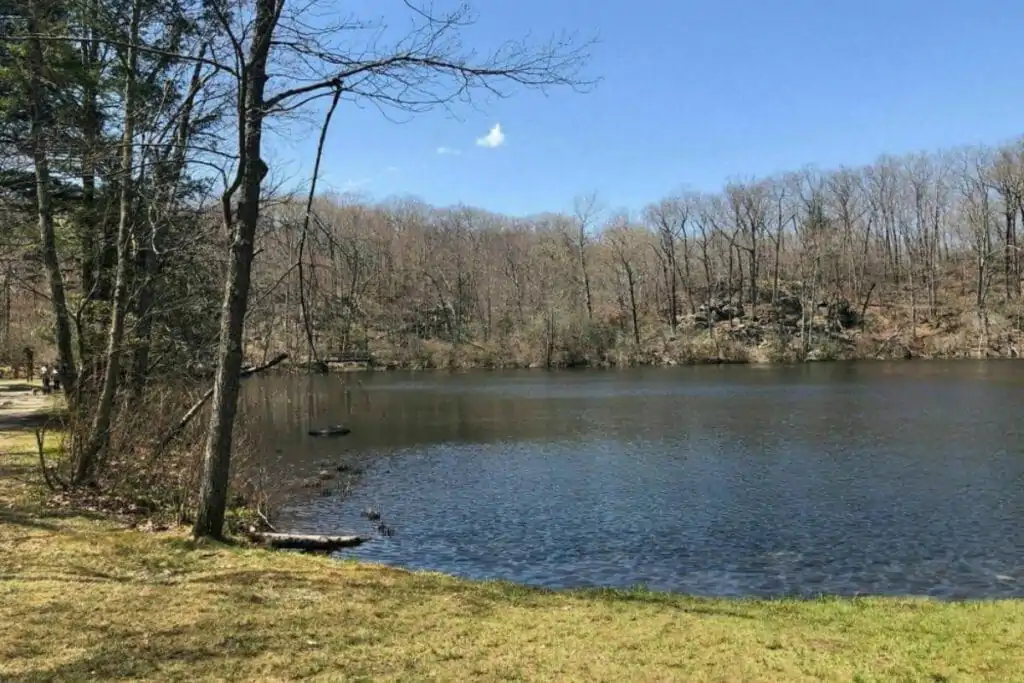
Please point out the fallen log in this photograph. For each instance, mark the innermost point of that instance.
(309, 542)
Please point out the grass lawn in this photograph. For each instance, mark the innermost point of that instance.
(86, 599)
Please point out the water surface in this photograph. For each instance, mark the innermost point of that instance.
(868, 478)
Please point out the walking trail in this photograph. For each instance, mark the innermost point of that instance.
(24, 406)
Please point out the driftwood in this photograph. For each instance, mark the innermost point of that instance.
(309, 542)
(336, 430)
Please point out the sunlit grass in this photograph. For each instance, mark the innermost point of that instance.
(84, 599)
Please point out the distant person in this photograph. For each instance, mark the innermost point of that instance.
(55, 378)
(30, 363)
(45, 376)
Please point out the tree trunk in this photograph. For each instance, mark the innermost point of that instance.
(631, 281)
(668, 275)
(742, 283)
(549, 346)
(913, 299)
(673, 293)
(586, 282)
(5, 319)
(775, 268)
(217, 454)
(99, 433)
(62, 324)
(753, 265)
(1017, 211)
(688, 281)
(91, 130)
(146, 266)
(1010, 212)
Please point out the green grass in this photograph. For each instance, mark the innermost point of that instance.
(83, 598)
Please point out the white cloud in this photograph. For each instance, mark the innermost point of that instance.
(448, 150)
(354, 184)
(494, 138)
(391, 169)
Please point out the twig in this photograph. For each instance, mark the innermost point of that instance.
(314, 356)
(867, 300)
(266, 522)
(40, 438)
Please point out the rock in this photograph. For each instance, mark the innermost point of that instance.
(843, 312)
(336, 430)
(787, 308)
(730, 311)
(325, 475)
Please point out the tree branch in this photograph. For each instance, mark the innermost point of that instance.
(194, 410)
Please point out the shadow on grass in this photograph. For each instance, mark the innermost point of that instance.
(477, 598)
(375, 586)
(24, 520)
(33, 420)
(120, 655)
(247, 578)
(73, 575)
(19, 386)
(660, 600)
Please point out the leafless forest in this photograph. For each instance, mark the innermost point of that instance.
(142, 247)
(913, 256)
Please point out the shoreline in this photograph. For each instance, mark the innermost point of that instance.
(86, 597)
(303, 367)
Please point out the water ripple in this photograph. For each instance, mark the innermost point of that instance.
(780, 484)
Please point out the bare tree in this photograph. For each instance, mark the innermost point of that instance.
(750, 208)
(1008, 180)
(813, 229)
(783, 193)
(707, 218)
(844, 189)
(425, 69)
(586, 211)
(627, 243)
(671, 218)
(979, 222)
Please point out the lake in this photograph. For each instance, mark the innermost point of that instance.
(861, 478)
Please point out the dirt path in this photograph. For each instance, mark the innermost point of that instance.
(24, 405)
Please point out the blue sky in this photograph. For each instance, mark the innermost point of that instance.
(693, 93)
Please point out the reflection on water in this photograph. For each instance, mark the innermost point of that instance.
(843, 478)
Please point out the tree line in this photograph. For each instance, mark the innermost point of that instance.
(920, 249)
(134, 187)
